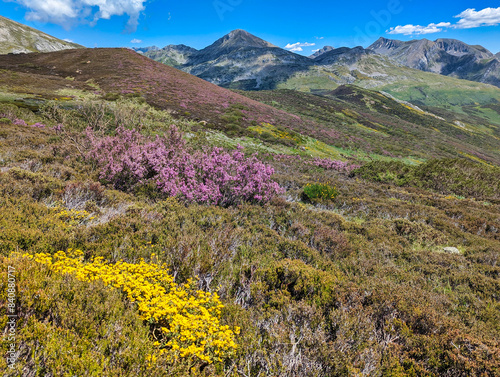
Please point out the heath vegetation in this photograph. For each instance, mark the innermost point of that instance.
(142, 246)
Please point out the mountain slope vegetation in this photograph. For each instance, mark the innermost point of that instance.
(335, 235)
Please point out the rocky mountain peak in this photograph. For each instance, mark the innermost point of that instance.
(385, 43)
(235, 40)
(321, 51)
(240, 38)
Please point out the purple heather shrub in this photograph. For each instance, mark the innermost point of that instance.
(331, 133)
(58, 128)
(324, 163)
(211, 177)
(38, 125)
(19, 122)
(328, 164)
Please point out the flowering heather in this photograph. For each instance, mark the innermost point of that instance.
(19, 122)
(328, 164)
(57, 128)
(324, 163)
(214, 177)
(38, 125)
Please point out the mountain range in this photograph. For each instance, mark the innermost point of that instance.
(19, 38)
(448, 57)
(240, 60)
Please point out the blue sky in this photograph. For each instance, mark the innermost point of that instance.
(312, 24)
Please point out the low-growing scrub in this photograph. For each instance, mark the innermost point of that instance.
(184, 321)
(315, 192)
(66, 326)
(212, 177)
(446, 176)
(358, 285)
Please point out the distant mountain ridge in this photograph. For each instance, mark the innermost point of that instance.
(342, 55)
(448, 57)
(321, 51)
(172, 55)
(240, 60)
(19, 38)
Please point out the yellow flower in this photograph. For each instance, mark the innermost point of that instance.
(188, 318)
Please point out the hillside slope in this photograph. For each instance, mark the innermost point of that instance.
(387, 127)
(19, 38)
(365, 120)
(161, 85)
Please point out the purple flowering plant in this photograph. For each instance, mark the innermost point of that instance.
(214, 177)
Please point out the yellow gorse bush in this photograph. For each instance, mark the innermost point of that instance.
(185, 321)
(63, 218)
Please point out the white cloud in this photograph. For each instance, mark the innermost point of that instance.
(298, 46)
(470, 18)
(316, 50)
(135, 40)
(69, 12)
(67, 40)
(417, 29)
(319, 37)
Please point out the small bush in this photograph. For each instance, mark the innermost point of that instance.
(5, 121)
(320, 192)
(185, 322)
(77, 195)
(214, 177)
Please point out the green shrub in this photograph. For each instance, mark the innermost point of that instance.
(446, 176)
(319, 192)
(5, 121)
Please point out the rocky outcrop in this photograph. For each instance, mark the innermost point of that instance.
(451, 250)
(18, 38)
(321, 51)
(448, 57)
(172, 55)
